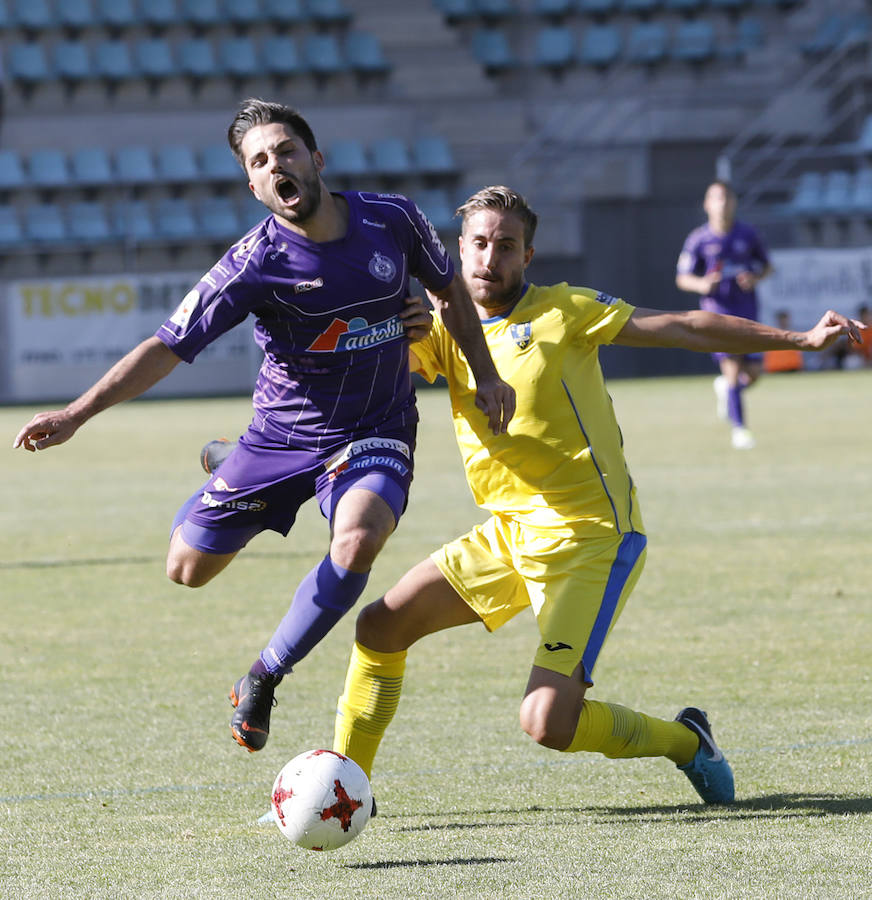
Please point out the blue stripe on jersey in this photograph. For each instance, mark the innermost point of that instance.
(631, 548)
(593, 456)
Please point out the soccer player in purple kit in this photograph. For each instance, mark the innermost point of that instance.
(723, 261)
(327, 277)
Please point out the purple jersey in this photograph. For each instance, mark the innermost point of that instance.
(740, 250)
(335, 362)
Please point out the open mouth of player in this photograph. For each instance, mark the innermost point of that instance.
(287, 192)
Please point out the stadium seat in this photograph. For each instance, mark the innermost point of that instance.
(113, 61)
(601, 46)
(279, 56)
(862, 197)
(72, 61)
(837, 194)
(242, 13)
(197, 58)
(174, 219)
(154, 58)
(33, 15)
(238, 58)
(11, 232)
(5, 18)
(322, 54)
(432, 155)
(200, 13)
(457, 11)
(48, 168)
(217, 218)
(217, 163)
(91, 167)
(390, 157)
(694, 41)
(117, 15)
(28, 64)
(364, 53)
(284, 12)
(87, 221)
(647, 43)
(554, 48)
(729, 6)
(135, 165)
(12, 174)
(328, 12)
(348, 158)
(158, 14)
(598, 8)
(44, 223)
(495, 10)
(491, 49)
(553, 9)
(75, 15)
(640, 7)
(828, 35)
(133, 220)
(176, 164)
(864, 142)
(252, 211)
(807, 198)
(685, 7)
(436, 206)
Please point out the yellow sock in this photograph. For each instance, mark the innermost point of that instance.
(372, 693)
(620, 733)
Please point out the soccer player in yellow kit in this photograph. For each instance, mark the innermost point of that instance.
(565, 535)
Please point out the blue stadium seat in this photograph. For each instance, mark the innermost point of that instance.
(48, 168)
(11, 232)
(284, 12)
(328, 12)
(72, 61)
(436, 206)
(158, 14)
(279, 56)
(348, 158)
(641, 7)
(829, 34)
(685, 7)
(729, 6)
(133, 220)
(553, 9)
(117, 15)
(807, 198)
(238, 57)
(176, 164)
(491, 48)
(864, 142)
(200, 13)
(197, 58)
(45, 223)
(217, 218)
(113, 61)
(647, 43)
(5, 18)
(862, 198)
(75, 14)
(135, 165)
(694, 41)
(598, 8)
(601, 46)
(91, 167)
(364, 53)
(457, 11)
(251, 211)
(390, 157)
(242, 13)
(432, 156)
(33, 15)
(174, 219)
(217, 163)
(322, 54)
(837, 194)
(554, 48)
(12, 174)
(154, 58)
(28, 64)
(88, 222)
(495, 10)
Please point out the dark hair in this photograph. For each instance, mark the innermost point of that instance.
(255, 111)
(500, 197)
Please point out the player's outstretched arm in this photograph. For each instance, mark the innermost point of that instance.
(709, 332)
(131, 376)
(494, 396)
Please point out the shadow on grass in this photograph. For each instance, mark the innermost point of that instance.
(420, 863)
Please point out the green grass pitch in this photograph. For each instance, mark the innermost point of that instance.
(119, 778)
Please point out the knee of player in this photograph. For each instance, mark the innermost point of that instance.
(183, 574)
(372, 624)
(356, 548)
(546, 727)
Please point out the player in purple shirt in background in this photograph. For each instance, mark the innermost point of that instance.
(327, 277)
(723, 261)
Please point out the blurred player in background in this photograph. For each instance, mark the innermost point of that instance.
(327, 277)
(565, 535)
(724, 260)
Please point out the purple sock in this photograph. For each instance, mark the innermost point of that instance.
(322, 598)
(734, 406)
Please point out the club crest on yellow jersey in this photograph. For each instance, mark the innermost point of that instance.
(522, 334)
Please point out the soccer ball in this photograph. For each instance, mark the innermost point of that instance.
(321, 800)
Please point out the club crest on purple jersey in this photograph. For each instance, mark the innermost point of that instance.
(382, 267)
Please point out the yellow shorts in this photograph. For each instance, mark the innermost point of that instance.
(577, 587)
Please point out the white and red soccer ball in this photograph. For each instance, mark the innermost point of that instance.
(321, 800)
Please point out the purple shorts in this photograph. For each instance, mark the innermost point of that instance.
(745, 307)
(261, 485)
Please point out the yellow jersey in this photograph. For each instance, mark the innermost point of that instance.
(561, 467)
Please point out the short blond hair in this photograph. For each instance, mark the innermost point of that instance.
(501, 197)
